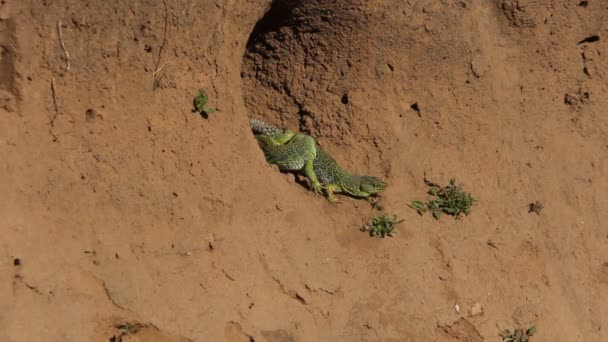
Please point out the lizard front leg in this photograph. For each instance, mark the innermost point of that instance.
(283, 138)
(312, 177)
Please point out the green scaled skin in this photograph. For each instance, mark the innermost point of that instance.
(331, 176)
(289, 150)
(335, 179)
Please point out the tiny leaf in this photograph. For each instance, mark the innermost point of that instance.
(418, 205)
(518, 334)
(531, 331)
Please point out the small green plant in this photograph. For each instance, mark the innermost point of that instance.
(128, 328)
(125, 329)
(200, 104)
(451, 200)
(519, 335)
(381, 226)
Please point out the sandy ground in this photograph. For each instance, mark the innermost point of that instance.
(125, 216)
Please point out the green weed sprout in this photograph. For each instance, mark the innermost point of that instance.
(519, 335)
(381, 226)
(451, 200)
(200, 104)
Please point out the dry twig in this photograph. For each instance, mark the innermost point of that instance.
(67, 55)
(56, 108)
(158, 67)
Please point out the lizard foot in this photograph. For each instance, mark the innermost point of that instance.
(374, 201)
(332, 199)
(317, 189)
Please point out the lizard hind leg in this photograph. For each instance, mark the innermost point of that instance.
(330, 189)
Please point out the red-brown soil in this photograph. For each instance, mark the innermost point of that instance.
(122, 207)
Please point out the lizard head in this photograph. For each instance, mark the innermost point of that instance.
(372, 185)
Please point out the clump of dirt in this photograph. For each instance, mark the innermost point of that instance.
(121, 205)
(461, 330)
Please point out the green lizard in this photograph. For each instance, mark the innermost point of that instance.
(289, 150)
(332, 177)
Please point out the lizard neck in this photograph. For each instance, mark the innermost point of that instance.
(351, 184)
